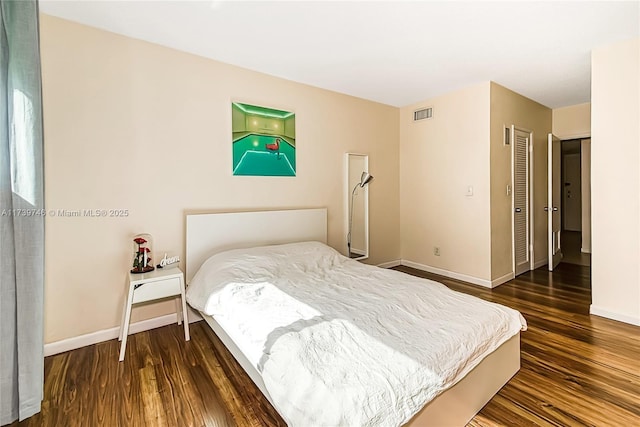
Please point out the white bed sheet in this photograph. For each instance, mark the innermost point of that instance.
(340, 343)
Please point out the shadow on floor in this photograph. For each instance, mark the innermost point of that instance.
(571, 243)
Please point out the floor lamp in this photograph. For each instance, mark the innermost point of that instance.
(364, 180)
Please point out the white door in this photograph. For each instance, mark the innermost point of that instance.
(554, 193)
(521, 143)
(571, 197)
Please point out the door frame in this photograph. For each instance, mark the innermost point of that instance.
(530, 199)
(553, 257)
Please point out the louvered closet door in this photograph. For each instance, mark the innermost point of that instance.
(521, 201)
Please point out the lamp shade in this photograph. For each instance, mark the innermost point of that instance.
(365, 179)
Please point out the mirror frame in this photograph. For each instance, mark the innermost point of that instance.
(347, 199)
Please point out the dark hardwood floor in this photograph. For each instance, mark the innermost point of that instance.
(577, 369)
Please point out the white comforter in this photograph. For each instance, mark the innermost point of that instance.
(340, 343)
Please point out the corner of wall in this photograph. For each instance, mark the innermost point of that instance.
(510, 108)
(436, 209)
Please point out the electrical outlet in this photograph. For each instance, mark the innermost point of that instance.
(436, 251)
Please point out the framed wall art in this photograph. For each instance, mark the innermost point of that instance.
(264, 141)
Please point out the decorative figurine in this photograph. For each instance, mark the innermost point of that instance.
(142, 254)
(166, 262)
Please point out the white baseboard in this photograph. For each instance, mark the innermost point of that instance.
(390, 264)
(540, 263)
(112, 333)
(598, 311)
(452, 274)
(504, 279)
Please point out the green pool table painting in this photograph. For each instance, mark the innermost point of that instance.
(264, 141)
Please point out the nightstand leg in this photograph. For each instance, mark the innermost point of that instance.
(186, 320)
(178, 310)
(124, 314)
(185, 317)
(125, 324)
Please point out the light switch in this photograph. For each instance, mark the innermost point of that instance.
(508, 189)
(470, 190)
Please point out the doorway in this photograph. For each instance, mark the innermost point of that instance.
(576, 201)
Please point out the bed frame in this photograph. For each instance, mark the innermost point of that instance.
(211, 233)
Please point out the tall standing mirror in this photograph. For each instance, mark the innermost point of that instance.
(357, 181)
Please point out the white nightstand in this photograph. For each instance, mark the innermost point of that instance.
(157, 284)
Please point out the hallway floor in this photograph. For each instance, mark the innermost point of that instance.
(571, 244)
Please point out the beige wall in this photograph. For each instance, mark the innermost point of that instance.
(462, 146)
(572, 122)
(509, 108)
(132, 125)
(439, 159)
(615, 180)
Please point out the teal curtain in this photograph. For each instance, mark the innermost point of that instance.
(21, 213)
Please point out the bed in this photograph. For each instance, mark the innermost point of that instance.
(331, 341)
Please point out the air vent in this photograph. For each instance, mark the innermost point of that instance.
(425, 113)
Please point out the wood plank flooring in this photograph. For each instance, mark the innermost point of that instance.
(576, 370)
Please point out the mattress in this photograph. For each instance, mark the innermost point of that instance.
(338, 342)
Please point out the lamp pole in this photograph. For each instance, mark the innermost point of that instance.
(365, 178)
(351, 219)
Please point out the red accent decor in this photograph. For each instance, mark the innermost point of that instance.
(273, 147)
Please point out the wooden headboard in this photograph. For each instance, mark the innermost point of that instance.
(208, 234)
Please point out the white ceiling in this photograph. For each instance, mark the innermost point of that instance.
(393, 52)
